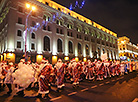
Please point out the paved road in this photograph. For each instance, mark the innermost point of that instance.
(117, 89)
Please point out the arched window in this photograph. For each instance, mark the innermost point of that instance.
(70, 45)
(46, 43)
(111, 54)
(99, 52)
(108, 53)
(115, 55)
(87, 50)
(59, 45)
(19, 33)
(33, 36)
(103, 51)
(79, 48)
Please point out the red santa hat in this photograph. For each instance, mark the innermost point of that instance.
(11, 63)
(22, 60)
(46, 61)
(25, 63)
(43, 60)
(89, 60)
(59, 60)
(73, 60)
(99, 61)
(29, 62)
(95, 60)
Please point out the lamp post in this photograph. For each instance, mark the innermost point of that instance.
(26, 22)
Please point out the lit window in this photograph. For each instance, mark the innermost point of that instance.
(87, 50)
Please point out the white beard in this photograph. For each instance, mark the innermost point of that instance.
(58, 65)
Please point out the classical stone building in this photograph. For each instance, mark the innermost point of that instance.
(61, 33)
(127, 50)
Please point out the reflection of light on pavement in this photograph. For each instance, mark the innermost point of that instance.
(53, 99)
(38, 100)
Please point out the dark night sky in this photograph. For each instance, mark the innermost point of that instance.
(119, 16)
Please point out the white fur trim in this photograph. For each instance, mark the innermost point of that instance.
(45, 92)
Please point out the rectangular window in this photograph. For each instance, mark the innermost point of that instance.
(61, 32)
(20, 9)
(19, 20)
(33, 13)
(46, 3)
(33, 46)
(68, 33)
(33, 23)
(44, 27)
(59, 9)
(48, 27)
(77, 36)
(57, 30)
(80, 36)
(19, 33)
(71, 34)
(18, 44)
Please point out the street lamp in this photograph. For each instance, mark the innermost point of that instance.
(32, 9)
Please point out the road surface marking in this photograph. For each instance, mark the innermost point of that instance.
(113, 80)
(107, 82)
(84, 90)
(53, 99)
(117, 79)
(135, 100)
(94, 86)
(72, 93)
(101, 84)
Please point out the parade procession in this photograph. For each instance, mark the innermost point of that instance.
(44, 75)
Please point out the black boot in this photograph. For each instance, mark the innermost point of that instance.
(9, 92)
(46, 96)
(21, 93)
(0, 87)
(58, 90)
(39, 96)
(74, 86)
(9, 87)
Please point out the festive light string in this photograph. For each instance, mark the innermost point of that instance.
(44, 23)
(55, 16)
(77, 5)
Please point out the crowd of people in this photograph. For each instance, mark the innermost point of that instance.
(44, 75)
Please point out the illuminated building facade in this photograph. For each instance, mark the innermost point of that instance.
(66, 35)
(127, 50)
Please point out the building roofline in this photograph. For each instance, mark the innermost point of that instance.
(76, 15)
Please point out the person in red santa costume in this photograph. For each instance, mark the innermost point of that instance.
(60, 72)
(2, 76)
(9, 79)
(90, 72)
(99, 67)
(106, 69)
(75, 72)
(44, 79)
